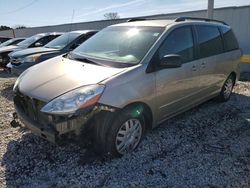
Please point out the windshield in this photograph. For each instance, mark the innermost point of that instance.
(8, 42)
(119, 44)
(62, 41)
(29, 41)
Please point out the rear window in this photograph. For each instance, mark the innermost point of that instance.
(230, 41)
(210, 41)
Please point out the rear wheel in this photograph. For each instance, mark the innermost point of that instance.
(227, 89)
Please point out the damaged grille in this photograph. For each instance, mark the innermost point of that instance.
(30, 107)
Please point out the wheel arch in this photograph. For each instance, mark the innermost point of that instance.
(141, 107)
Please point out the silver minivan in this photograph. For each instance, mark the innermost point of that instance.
(126, 79)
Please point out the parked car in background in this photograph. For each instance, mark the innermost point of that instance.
(37, 40)
(13, 41)
(128, 78)
(3, 39)
(23, 59)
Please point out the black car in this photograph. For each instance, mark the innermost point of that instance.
(22, 60)
(3, 39)
(13, 41)
(34, 41)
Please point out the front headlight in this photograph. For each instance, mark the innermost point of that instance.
(72, 101)
(31, 58)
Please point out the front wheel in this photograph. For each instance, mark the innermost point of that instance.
(227, 89)
(122, 135)
(128, 136)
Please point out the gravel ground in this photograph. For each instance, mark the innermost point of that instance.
(208, 146)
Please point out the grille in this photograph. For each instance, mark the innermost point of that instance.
(30, 107)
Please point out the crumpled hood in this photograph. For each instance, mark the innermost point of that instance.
(59, 75)
(8, 48)
(31, 51)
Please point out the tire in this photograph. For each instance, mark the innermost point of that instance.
(115, 133)
(5, 61)
(227, 89)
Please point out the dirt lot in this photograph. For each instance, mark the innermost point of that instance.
(208, 146)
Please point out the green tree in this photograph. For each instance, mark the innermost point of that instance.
(4, 27)
(111, 16)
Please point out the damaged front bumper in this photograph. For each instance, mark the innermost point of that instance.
(58, 131)
(20, 119)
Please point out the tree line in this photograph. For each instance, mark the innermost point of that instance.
(4, 27)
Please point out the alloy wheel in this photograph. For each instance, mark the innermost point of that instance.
(228, 87)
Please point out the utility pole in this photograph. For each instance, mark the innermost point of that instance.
(13, 32)
(210, 9)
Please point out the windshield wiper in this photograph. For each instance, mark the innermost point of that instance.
(86, 60)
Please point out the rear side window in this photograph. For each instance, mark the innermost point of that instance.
(209, 40)
(84, 38)
(179, 41)
(52, 37)
(42, 41)
(230, 41)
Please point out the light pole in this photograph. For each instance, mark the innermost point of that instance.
(210, 9)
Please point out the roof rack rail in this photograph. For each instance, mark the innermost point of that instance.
(136, 19)
(181, 19)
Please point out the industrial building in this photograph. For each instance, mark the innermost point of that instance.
(237, 17)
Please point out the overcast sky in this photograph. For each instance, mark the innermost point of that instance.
(50, 12)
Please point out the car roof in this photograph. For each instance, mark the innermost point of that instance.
(166, 22)
(83, 31)
(152, 23)
(50, 33)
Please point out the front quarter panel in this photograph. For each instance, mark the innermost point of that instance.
(134, 85)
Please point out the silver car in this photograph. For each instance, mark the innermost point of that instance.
(126, 79)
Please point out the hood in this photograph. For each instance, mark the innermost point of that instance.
(30, 51)
(8, 48)
(59, 75)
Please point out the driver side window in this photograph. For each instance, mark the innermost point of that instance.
(179, 41)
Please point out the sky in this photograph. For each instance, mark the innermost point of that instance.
(32, 13)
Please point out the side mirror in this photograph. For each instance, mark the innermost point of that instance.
(37, 44)
(171, 61)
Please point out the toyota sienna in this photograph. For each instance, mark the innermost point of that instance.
(126, 79)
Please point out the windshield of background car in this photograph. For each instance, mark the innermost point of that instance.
(62, 41)
(120, 44)
(6, 43)
(29, 41)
